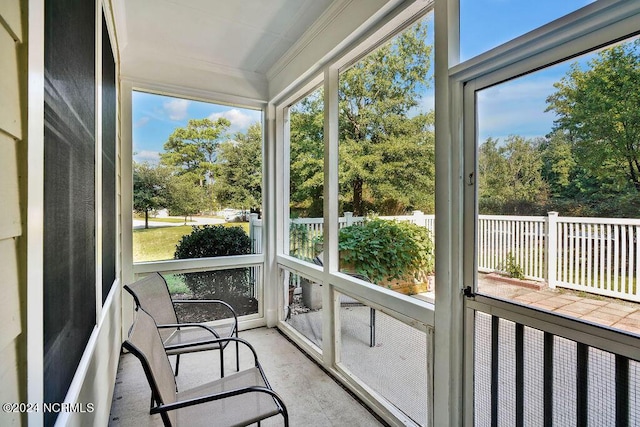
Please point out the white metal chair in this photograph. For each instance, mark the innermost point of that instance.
(239, 399)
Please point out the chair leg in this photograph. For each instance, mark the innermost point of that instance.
(177, 363)
(221, 362)
(372, 327)
(237, 356)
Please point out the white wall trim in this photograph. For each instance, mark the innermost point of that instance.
(35, 210)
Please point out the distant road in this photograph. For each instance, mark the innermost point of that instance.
(139, 223)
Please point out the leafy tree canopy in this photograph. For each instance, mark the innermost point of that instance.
(193, 149)
(150, 184)
(598, 110)
(510, 176)
(386, 145)
(376, 99)
(238, 171)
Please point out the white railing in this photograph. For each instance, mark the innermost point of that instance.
(596, 255)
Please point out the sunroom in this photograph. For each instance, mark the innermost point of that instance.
(504, 136)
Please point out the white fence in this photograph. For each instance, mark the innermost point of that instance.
(596, 255)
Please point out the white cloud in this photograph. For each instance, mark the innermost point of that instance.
(142, 122)
(240, 120)
(146, 156)
(176, 109)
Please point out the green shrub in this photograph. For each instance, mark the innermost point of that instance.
(213, 241)
(386, 250)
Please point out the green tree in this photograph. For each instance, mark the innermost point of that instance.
(149, 188)
(386, 150)
(597, 109)
(193, 149)
(183, 196)
(238, 171)
(386, 147)
(307, 154)
(510, 176)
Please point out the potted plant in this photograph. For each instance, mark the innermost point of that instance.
(398, 255)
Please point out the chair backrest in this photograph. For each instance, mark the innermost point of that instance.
(151, 293)
(144, 342)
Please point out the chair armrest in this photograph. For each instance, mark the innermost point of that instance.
(204, 301)
(189, 325)
(208, 301)
(219, 341)
(217, 396)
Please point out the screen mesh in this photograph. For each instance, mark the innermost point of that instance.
(108, 164)
(634, 393)
(392, 361)
(303, 305)
(526, 377)
(69, 192)
(601, 376)
(237, 287)
(564, 381)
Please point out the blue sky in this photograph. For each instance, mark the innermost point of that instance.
(515, 107)
(155, 117)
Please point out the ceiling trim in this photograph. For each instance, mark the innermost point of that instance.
(316, 29)
(195, 94)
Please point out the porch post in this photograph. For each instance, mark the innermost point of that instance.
(551, 249)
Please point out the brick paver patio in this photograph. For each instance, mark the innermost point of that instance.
(615, 313)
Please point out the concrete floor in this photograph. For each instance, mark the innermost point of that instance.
(311, 396)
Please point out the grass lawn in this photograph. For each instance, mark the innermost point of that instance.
(169, 220)
(159, 243)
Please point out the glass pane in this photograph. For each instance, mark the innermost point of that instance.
(485, 24)
(194, 164)
(386, 163)
(306, 176)
(559, 188)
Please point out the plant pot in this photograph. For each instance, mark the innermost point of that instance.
(291, 291)
(311, 294)
(406, 287)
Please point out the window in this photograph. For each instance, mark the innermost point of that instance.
(197, 193)
(69, 258)
(194, 164)
(109, 170)
(386, 163)
(306, 176)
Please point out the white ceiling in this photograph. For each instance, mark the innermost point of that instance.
(243, 38)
